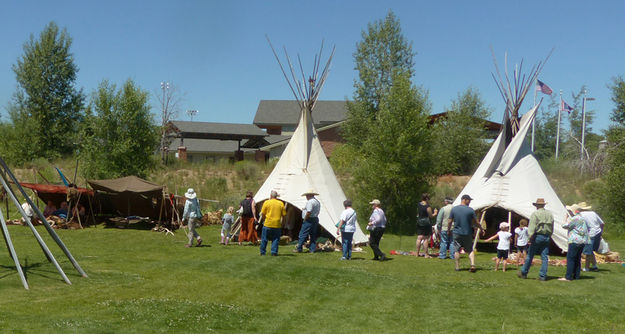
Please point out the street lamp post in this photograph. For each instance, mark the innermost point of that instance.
(584, 123)
(191, 113)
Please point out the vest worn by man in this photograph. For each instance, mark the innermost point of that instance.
(246, 204)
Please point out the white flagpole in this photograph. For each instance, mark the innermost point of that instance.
(534, 121)
(558, 131)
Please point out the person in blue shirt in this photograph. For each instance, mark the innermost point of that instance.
(464, 219)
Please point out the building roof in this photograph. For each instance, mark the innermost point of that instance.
(223, 131)
(194, 145)
(287, 112)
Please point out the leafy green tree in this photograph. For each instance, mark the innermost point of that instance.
(461, 136)
(386, 130)
(382, 53)
(615, 178)
(47, 107)
(119, 136)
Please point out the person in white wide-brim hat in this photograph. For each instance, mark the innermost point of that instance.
(310, 224)
(595, 232)
(192, 216)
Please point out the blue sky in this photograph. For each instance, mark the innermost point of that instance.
(216, 54)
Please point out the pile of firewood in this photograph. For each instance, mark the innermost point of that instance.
(212, 218)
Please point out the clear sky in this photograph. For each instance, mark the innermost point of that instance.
(215, 52)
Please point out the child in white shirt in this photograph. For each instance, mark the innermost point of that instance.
(503, 247)
(521, 236)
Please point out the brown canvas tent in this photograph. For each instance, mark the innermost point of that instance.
(130, 196)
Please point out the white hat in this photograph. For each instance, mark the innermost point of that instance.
(503, 225)
(190, 194)
(584, 206)
(573, 208)
(375, 201)
(310, 192)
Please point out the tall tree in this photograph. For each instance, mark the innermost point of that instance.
(615, 178)
(461, 136)
(47, 106)
(382, 53)
(120, 136)
(386, 129)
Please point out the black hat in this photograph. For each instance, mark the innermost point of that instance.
(465, 196)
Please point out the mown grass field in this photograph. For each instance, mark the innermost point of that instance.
(147, 282)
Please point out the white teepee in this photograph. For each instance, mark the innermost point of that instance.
(303, 164)
(511, 178)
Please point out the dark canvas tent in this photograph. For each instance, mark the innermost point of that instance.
(130, 196)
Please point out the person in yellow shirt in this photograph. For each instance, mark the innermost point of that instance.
(272, 211)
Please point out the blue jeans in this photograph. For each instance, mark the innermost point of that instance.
(446, 241)
(574, 261)
(347, 244)
(539, 246)
(274, 235)
(310, 228)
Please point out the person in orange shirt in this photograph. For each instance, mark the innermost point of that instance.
(272, 212)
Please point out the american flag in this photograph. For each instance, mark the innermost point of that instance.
(543, 88)
(565, 107)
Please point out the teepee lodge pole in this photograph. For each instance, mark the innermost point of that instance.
(9, 243)
(42, 244)
(49, 228)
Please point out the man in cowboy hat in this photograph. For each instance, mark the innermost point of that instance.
(192, 214)
(540, 230)
(310, 224)
(595, 231)
(442, 225)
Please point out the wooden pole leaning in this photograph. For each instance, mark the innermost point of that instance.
(477, 233)
(49, 228)
(42, 244)
(7, 239)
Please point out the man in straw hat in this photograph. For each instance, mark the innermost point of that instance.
(272, 212)
(192, 215)
(595, 232)
(310, 224)
(442, 225)
(540, 230)
(377, 225)
(464, 219)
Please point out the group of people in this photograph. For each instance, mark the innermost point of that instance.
(455, 227)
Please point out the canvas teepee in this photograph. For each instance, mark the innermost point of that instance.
(303, 164)
(510, 177)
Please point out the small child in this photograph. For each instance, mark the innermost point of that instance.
(521, 238)
(227, 221)
(503, 246)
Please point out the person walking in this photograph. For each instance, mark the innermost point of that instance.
(540, 230)
(376, 226)
(424, 226)
(192, 216)
(577, 240)
(310, 223)
(442, 225)
(271, 214)
(346, 228)
(227, 220)
(595, 232)
(248, 218)
(464, 219)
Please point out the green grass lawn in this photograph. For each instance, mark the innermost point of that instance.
(147, 282)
